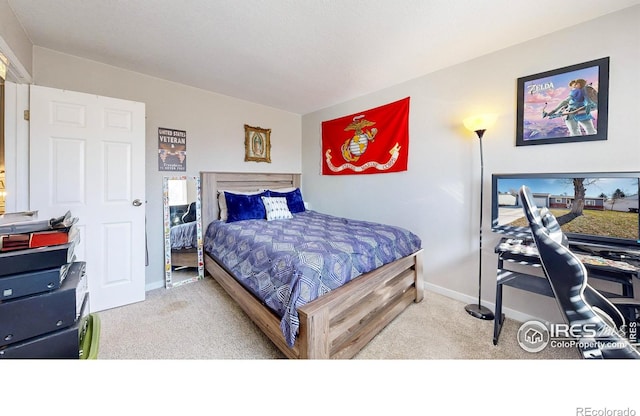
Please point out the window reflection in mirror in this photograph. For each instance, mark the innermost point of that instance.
(182, 230)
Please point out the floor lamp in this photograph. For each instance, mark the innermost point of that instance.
(479, 125)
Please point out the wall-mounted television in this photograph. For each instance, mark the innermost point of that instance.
(599, 208)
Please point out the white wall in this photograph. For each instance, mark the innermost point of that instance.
(214, 124)
(15, 45)
(438, 197)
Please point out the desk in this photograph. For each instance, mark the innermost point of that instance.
(526, 254)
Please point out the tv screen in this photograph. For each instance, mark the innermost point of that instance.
(598, 208)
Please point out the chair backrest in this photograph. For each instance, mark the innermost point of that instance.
(190, 215)
(594, 319)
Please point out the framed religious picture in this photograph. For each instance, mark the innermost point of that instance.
(257, 144)
(564, 105)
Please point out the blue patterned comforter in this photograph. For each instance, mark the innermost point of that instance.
(184, 236)
(288, 263)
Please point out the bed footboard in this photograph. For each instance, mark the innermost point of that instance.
(341, 322)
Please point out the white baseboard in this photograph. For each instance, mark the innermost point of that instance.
(155, 285)
(508, 312)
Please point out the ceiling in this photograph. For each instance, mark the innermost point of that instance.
(295, 55)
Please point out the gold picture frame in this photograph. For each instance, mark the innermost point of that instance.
(257, 144)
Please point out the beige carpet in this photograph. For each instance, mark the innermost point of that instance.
(200, 321)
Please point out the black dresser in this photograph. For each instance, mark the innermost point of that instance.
(44, 303)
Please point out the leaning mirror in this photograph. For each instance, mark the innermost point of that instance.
(182, 230)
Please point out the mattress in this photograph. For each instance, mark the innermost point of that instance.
(184, 236)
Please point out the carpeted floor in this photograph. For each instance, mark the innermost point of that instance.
(200, 321)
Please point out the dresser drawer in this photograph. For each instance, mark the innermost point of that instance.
(33, 259)
(64, 343)
(30, 283)
(34, 315)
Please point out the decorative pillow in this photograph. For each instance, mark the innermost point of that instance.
(294, 199)
(222, 201)
(281, 190)
(244, 207)
(276, 208)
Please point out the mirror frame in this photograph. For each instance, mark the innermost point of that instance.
(167, 232)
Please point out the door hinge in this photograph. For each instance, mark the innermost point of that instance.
(26, 115)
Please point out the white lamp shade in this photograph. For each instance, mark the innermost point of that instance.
(480, 122)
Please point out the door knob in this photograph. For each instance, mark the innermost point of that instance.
(136, 202)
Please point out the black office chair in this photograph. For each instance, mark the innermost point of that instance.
(190, 215)
(596, 322)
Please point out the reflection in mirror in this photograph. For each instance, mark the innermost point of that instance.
(183, 259)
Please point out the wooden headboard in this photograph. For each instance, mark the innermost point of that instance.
(211, 182)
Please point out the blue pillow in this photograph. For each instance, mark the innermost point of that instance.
(245, 207)
(294, 199)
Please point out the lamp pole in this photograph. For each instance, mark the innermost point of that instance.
(479, 311)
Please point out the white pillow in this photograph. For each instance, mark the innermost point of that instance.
(281, 190)
(276, 208)
(222, 201)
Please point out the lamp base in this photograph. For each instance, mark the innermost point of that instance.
(480, 312)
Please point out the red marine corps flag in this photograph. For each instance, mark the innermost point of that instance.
(372, 141)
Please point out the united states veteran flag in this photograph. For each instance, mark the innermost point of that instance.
(372, 141)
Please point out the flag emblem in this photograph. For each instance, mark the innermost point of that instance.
(372, 141)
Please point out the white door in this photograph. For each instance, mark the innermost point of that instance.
(87, 156)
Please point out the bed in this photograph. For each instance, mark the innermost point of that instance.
(336, 324)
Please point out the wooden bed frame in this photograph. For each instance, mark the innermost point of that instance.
(186, 257)
(337, 324)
